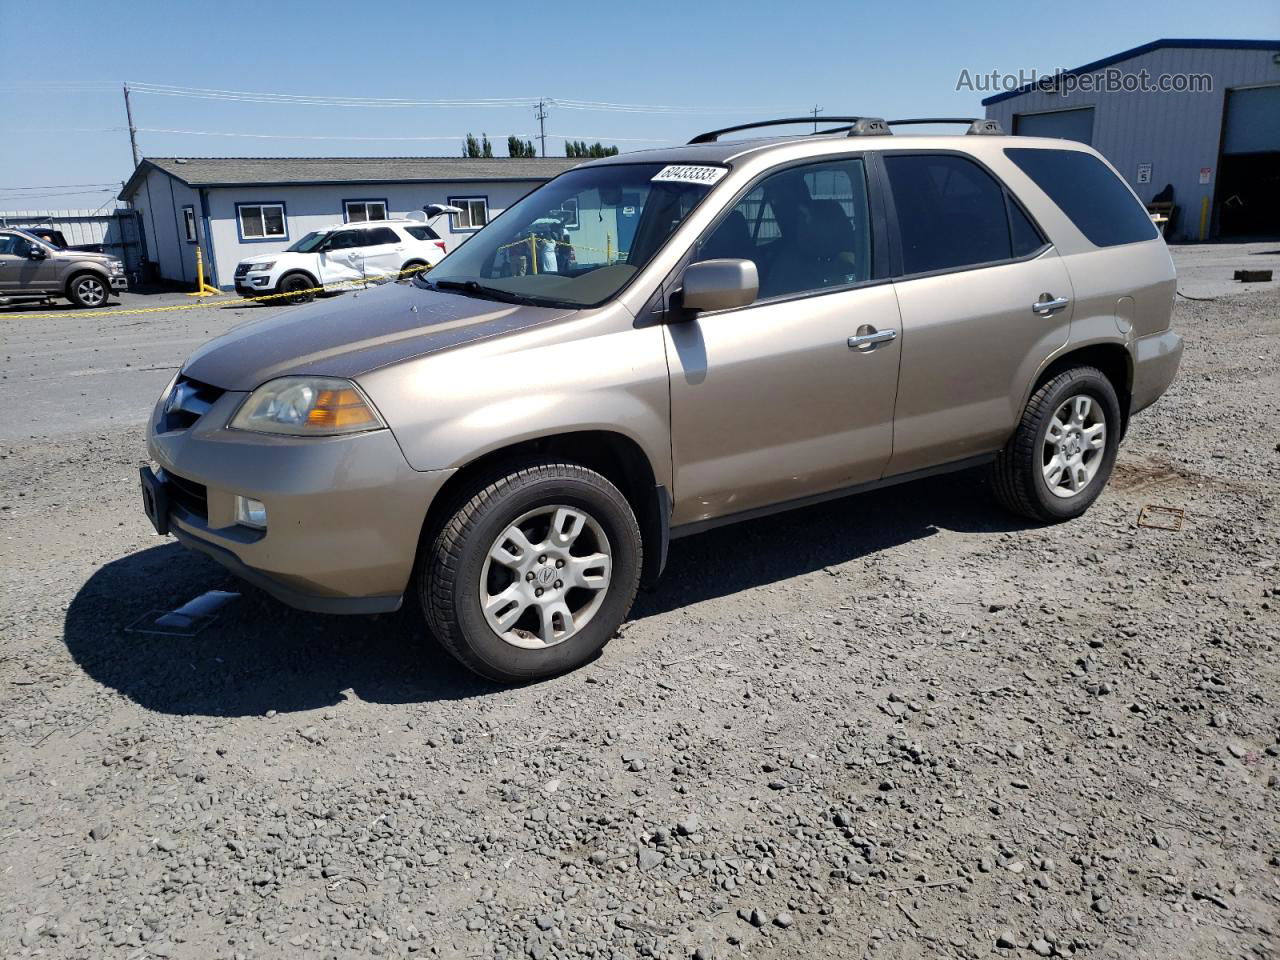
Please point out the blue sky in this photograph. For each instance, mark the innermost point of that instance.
(62, 115)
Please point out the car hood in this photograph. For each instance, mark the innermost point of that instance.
(355, 333)
(266, 257)
(71, 253)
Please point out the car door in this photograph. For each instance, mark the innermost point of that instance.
(774, 401)
(11, 263)
(984, 298)
(383, 252)
(26, 266)
(341, 257)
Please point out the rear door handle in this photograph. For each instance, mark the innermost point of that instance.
(868, 337)
(1049, 304)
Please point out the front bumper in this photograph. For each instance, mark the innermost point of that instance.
(254, 285)
(119, 284)
(343, 513)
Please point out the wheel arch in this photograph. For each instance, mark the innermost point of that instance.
(79, 271)
(299, 271)
(615, 456)
(1112, 357)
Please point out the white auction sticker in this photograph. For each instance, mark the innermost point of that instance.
(689, 173)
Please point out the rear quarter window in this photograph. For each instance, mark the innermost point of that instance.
(422, 233)
(1094, 198)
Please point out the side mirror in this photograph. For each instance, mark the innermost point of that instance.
(36, 253)
(720, 284)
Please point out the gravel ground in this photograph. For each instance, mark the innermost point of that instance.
(901, 725)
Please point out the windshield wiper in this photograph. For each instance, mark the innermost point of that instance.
(477, 289)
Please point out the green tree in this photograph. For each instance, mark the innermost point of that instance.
(486, 148)
(520, 148)
(471, 148)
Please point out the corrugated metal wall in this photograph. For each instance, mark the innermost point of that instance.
(116, 231)
(1178, 134)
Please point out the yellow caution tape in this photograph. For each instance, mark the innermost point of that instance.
(233, 302)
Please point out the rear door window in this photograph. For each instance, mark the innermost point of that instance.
(1094, 198)
(380, 235)
(951, 213)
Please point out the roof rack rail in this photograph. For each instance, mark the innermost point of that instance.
(711, 136)
(977, 125)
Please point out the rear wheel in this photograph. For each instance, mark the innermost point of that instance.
(1061, 455)
(533, 572)
(412, 268)
(88, 290)
(297, 288)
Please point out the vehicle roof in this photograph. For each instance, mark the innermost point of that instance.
(727, 151)
(394, 221)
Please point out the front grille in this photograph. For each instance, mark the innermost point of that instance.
(187, 403)
(242, 269)
(190, 496)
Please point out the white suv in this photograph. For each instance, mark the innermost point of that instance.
(338, 255)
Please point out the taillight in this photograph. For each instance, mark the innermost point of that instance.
(440, 244)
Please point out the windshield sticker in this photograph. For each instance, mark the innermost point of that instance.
(689, 173)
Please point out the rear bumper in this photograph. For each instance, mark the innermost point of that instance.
(1155, 364)
(343, 513)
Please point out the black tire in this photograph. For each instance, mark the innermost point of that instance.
(449, 571)
(291, 282)
(88, 290)
(412, 269)
(1017, 477)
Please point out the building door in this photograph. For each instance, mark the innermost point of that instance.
(1248, 186)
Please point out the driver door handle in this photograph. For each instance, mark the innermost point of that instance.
(868, 337)
(1048, 304)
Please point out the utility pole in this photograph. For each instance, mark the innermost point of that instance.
(815, 111)
(133, 131)
(542, 126)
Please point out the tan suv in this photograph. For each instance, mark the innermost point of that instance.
(654, 344)
(33, 269)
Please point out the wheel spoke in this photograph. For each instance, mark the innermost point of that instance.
(555, 622)
(1080, 477)
(565, 527)
(505, 609)
(1080, 409)
(502, 549)
(1053, 472)
(1056, 432)
(1096, 436)
(592, 572)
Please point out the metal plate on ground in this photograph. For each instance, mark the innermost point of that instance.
(1161, 518)
(187, 620)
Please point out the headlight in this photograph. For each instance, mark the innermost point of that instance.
(116, 267)
(260, 267)
(307, 406)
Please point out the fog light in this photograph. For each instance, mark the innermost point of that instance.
(251, 512)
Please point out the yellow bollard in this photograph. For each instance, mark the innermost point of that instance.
(1204, 217)
(608, 249)
(533, 251)
(202, 289)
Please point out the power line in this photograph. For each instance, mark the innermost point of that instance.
(69, 193)
(56, 186)
(306, 136)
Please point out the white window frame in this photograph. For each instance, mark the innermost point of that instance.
(465, 222)
(365, 204)
(262, 220)
(189, 223)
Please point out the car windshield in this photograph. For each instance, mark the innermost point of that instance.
(308, 243)
(579, 239)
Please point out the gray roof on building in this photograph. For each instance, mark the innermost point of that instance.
(283, 171)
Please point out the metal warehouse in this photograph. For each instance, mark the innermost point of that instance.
(1193, 125)
(232, 207)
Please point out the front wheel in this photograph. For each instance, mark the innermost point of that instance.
(533, 573)
(297, 288)
(1061, 455)
(88, 290)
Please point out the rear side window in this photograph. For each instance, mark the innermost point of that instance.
(1026, 238)
(951, 213)
(1098, 203)
(422, 233)
(380, 235)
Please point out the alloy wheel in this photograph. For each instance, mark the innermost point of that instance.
(545, 576)
(91, 291)
(1074, 445)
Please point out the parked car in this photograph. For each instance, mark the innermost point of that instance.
(743, 327)
(31, 269)
(336, 255)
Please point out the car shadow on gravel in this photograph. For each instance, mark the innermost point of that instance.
(738, 557)
(259, 655)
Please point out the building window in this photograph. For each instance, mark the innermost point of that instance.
(262, 221)
(360, 211)
(189, 223)
(474, 215)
